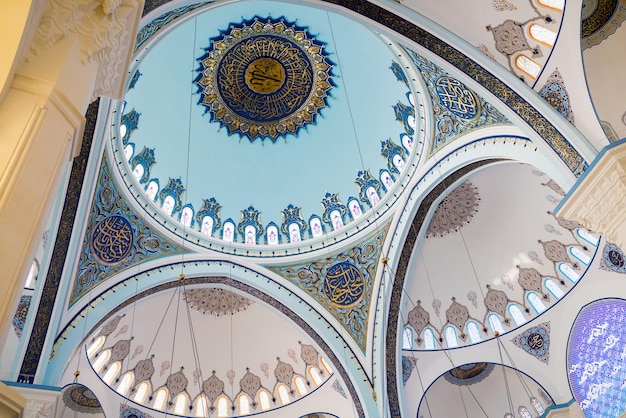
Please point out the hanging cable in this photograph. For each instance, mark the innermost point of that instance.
(506, 381)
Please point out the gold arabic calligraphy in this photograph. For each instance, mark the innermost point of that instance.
(112, 239)
(457, 98)
(344, 285)
(265, 75)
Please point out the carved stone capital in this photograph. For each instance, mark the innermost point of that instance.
(40, 403)
(598, 200)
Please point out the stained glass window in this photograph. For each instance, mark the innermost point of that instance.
(542, 34)
(355, 209)
(451, 338)
(152, 189)
(372, 196)
(386, 180)
(207, 226)
(168, 205)
(527, 65)
(186, 216)
(407, 142)
(407, 339)
(429, 339)
(523, 412)
(495, 323)
(399, 162)
(228, 233)
(316, 227)
(294, 233)
(272, 235)
(250, 235)
(517, 315)
(473, 332)
(537, 405)
(335, 217)
(138, 171)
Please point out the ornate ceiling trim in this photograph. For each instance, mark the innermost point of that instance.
(601, 20)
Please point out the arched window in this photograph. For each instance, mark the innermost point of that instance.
(181, 403)
(537, 405)
(283, 394)
(244, 404)
(429, 339)
(536, 302)
(111, 373)
(125, 382)
(300, 385)
(202, 406)
(528, 66)
(335, 217)
(316, 227)
(580, 255)
(168, 204)
(409, 96)
(568, 272)
(315, 375)
(407, 338)
(207, 226)
(355, 209)
(451, 338)
(101, 360)
(552, 4)
(585, 235)
(474, 332)
(326, 367)
(95, 346)
(372, 196)
(554, 288)
(222, 406)
(138, 171)
(186, 216)
(228, 232)
(152, 189)
(411, 121)
(264, 399)
(160, 398)
(250, 235)
(272, 235)
(407, 142)
(386, 180)
(31, 279)
(495, 323)
(399, 162)
(128, 152)
(542, 34)
(123, 130)
(523, 412)
(517, 315)
(294, 232)
(142, 392)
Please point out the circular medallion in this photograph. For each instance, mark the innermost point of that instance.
(535, 341)
(80, 398)
(468, 374)
(457, 98)
(344, 285)
(112, 239)
(614, 259)
(264, 78)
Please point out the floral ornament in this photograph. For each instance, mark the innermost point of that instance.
(455, 210)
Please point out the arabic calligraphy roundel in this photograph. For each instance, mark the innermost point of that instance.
(457, 98)
(344, 285)
(264, 78)
(112, 239)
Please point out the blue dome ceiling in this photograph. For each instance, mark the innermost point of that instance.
(362, 109)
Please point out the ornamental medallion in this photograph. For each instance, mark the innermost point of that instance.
(344, 285)
(264, 78)
(112, 239)
(457, 98)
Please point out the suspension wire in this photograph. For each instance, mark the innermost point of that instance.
(194, 348)
(177, 291)
(160, 325)
(463, 402)
(506, 381)
(523, 383)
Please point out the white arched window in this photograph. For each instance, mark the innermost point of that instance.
(451, 338)
(168, 204)
(372, 196)
(517, 314)
(316, 227)
(474, 332)
(552, 4)
(429, 339)
(128, 152)
(125, 382)
(542, 34)
(228, 232)
(202, 406)
(536, 302)
(355, 209)
(186, 216)
(207, 226)
(101, 360)
(95, 346)
(528, 66)
(264, 400)
(386, 180)
(160, 398)
(407, 142)
(335, 217)
(326, 366)
(283, 394)
(112, 372)
(537, 405)
(152, 189)
(554, 288)
(141, 392)
(138, 171)
(411, 121)
(250, 235)
(495, 323)
(244, 404)
(399, 162)
(272, 235)
(181, 403)
(407, 339)
(222, 406)
(123, 130)
(300, 385)
(315, 375)
(580, 255)
(409, 96)
(294, 232)
(568, 272)
(589, 238)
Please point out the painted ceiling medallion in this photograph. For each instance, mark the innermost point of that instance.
(468, 374)
(455, 210)
(264, 78)
(215, 301)
(80, 398)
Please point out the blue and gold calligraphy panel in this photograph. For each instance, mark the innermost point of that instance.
(457, 98)
(112, 239)
(342, 283)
